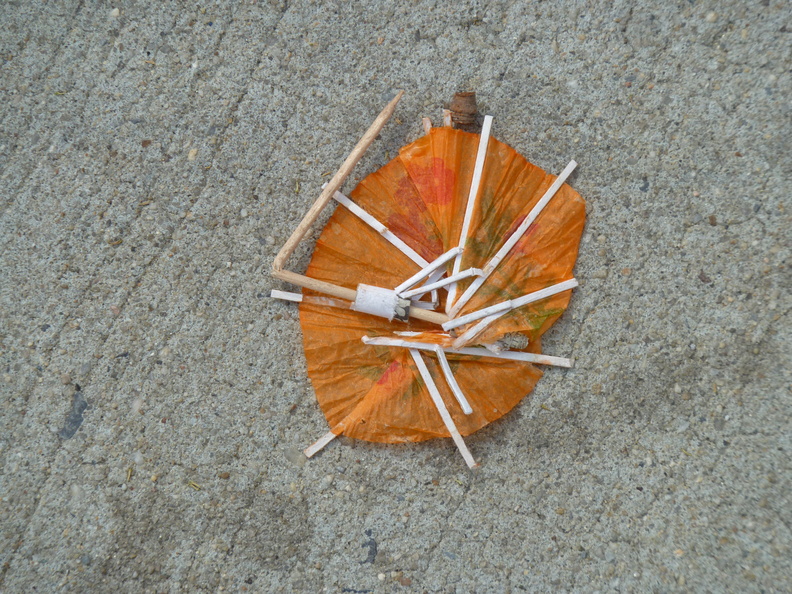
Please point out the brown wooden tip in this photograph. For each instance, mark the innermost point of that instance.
(464, 111)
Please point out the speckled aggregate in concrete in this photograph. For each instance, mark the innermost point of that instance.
(153, 399)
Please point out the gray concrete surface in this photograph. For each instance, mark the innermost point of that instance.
(154, 400)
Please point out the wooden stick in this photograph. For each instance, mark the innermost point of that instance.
(319, 444)
(441, 408)
(335, 183)
(315, 284)
(327, 194)
(435, 317)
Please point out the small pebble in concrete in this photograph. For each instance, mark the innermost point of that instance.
(295, 456)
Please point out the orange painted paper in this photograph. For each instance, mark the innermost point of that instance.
(375, 393)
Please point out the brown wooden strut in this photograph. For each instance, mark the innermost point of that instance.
(313, 213)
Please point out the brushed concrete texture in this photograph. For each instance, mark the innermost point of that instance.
(154, 401)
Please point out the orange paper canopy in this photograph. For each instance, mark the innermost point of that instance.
(376, 393)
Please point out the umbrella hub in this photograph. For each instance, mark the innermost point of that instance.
(381, 302)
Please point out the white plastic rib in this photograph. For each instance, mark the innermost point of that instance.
(513, 239)
(319, 444)
(431, 305)
(475, 183)
(442, 282)
(441, 408)
(427, 125)
(470, 334)
(381, 229)
(507, 306)
(477, 315)
(427, 270)
(286, 295)
(471, 351)
(451, 380)
(433, 278)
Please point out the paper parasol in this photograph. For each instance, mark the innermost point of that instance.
(460, 223)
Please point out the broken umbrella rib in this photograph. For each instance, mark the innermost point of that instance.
(286, 296)
(443, 282)
(451, 381)
(475, 183)
(513, 239)
(437, 399)
(386, 233)
(427, 270)
(471, 334)
(536, 358)
(434, 277)
(506, 306)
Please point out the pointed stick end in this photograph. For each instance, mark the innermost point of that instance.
(319, 444)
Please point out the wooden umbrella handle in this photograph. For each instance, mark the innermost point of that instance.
(335, 183)
(311, 216)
